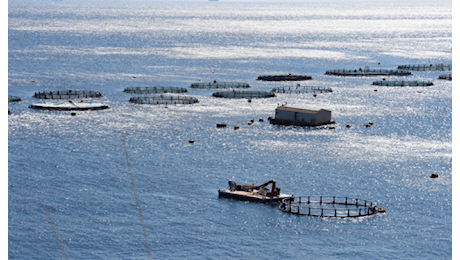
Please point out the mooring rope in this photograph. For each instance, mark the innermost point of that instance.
(56, 234)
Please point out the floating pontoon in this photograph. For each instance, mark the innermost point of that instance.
(68, 106)
(251, 192)
(301, 117)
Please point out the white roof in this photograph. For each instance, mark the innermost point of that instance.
(300, 110)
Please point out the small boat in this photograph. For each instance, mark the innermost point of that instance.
(251, 192)
(68, 106)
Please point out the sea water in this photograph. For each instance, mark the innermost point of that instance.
(69, 183)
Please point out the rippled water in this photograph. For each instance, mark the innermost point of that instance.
(75, 167)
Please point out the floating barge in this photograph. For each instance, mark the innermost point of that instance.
(217, 85)
(244, 94)
(154, 90)
(301, 117)
(425, 67)
(288, 77)
(67, 94)
(251, 192)
(69, 106)
(445, 77)
(402, 83)
(367, 72)
(162, 100)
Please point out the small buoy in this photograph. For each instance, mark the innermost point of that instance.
(249, 100)
(332, 127)
(73, 114)
(434, 175)
(250, 123)
(214, 80)
(221, 125)
(236, 127)
(70, 90)
(380, 210)
(370, 123)
(378, 63)
(383, 78)
(33, 80)
(252, 120)
(134, 77)
(348, 126)
(270, 118)
(314, 95)
(375, 90)
(191, 141)
(9, 112)
(261, 119)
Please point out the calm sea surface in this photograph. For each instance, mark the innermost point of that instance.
(74, 167)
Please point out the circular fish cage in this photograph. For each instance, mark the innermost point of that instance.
(244, 94)
(288, 77)
(425, 67)
(446, 77)
(67, 94)
(216, 85)
(402, 83)
(13, 99)
(162, 100)
(329, 206)
(154, 90)
(301, 90)
(367, 72)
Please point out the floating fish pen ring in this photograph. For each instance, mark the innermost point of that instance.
(368, 72)
(67, 94)
(301, 90)
(161, 100)
(446, 77)
(288, 77)
(329, 206)
(215, 85)
(244, 94)
(402, 83)
(154, 90)
(425, 67)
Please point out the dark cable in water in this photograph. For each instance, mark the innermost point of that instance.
(135, 196)
(55, 233)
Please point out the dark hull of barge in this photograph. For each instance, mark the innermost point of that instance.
(297, 123)
(249, 196)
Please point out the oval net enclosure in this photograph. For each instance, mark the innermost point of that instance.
(163, 99)
(216, 85)
(244, 94)
(154, 90)
(301, 89)
(67, 94)
(424, 67)
(402, 83)
(329, 206)
(446, 77)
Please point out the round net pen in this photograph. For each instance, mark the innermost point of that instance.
(244, 94)
(402, 83)
(164, 100)
(445, 77)
(425, 67)
(154, 90)
(302, 90)
(13, 99)
(216, 85)
(367, 72)
(67, 94)
(329, 206)
(288, 77)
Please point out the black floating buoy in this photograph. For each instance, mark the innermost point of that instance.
(221, 125)
(73, 114)
(250, 122)
(134, 77)
(33, 80)
(314, 95)
(332, 127)
(9, 112)
(191, 141)
(370, 123)
(380, 210)
(348, 126)
(434, 175)
(249, 100)
(375, 90)
(261, 119)
(270, 118)
(236, 127)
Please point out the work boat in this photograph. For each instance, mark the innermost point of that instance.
(251, 192)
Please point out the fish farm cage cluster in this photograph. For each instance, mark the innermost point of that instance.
(288, 77)
(446, 77)
(329, 206)
(215, 85)
(161, 100)
(13, 99)
(402, 83)
(244, 94)
(67, 94)
(301, 90)
(368, 72)
(425, 67)
(154, 90)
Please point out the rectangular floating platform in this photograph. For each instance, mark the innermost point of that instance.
(301, 117)
(251, 196)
